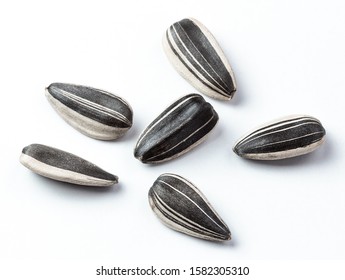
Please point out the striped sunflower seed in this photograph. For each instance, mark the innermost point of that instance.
(181, 206)
(283, 138)
(62, 166)
(179, 128)
(93, 112)
(196, 55)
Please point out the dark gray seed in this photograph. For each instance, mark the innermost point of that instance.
(181, 206)
(179, 128)
(196, 55)
(93, 112)
(62, 166)
(283, 138)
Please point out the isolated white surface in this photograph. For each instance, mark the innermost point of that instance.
(287, 56)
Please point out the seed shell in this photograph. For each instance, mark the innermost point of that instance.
(93, 112)
(182, 126)
(63, 166)
(198, 58)
(181, 206)
(283, 138)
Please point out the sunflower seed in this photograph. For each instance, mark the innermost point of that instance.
(179, 128)
(181, 206)
(284, 138)
(196, 55)
(62, 166)
(93, 112)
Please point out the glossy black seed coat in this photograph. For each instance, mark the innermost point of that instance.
(180, 127)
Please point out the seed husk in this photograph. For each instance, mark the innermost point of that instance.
(179, 128)
(63, 166)
(197, 57)
(181, 206)
(93, 112)
(283, 138)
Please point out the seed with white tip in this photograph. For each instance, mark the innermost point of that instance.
(93, 112)
(283, 138)
(179, 128)
(63, 166)
(198, 58)
(181, 206)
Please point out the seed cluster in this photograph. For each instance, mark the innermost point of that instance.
(180, 205)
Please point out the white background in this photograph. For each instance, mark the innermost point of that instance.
(288, 57)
